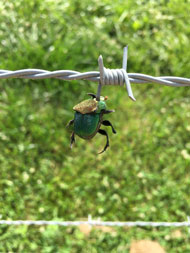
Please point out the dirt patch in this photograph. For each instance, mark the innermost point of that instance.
(146, 246)
(86, 229)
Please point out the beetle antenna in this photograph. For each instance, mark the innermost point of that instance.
(92, 95)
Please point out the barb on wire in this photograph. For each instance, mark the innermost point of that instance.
(104, 76)
(124, 67)
(115, 76)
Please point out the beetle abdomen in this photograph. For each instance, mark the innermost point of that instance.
(86, 125)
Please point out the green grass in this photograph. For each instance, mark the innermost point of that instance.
(144, 175)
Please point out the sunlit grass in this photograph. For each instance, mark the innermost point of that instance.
(144, 175)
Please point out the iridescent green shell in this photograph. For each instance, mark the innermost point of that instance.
(86, 106)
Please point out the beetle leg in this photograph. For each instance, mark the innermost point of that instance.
(72, 139)
(108, 123)
(92, 95)
(103, 132)
(107, 111)
(70, 123)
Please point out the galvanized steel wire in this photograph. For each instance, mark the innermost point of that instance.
(96, 223)
(94, 76)
(104, 76)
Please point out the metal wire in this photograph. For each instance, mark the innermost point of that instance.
(97, 223)
(104, 76)
(94, 76)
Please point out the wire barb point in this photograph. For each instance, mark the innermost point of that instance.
(101, 69)
(127, 82)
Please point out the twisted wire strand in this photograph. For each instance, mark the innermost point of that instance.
(96, 223)
(112, 76)
(104, 76)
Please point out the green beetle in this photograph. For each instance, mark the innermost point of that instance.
(89, 118)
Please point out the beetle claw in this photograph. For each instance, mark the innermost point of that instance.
(103, 132)
(102, 151)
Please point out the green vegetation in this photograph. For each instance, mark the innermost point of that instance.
(145, 173)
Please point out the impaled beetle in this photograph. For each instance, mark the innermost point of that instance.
(89, 118)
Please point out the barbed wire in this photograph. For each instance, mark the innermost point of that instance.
(104, 76)
(97, 223)
(93, 76)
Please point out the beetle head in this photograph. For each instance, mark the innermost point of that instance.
(101, 105)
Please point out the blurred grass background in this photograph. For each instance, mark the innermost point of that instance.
(144, 175)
